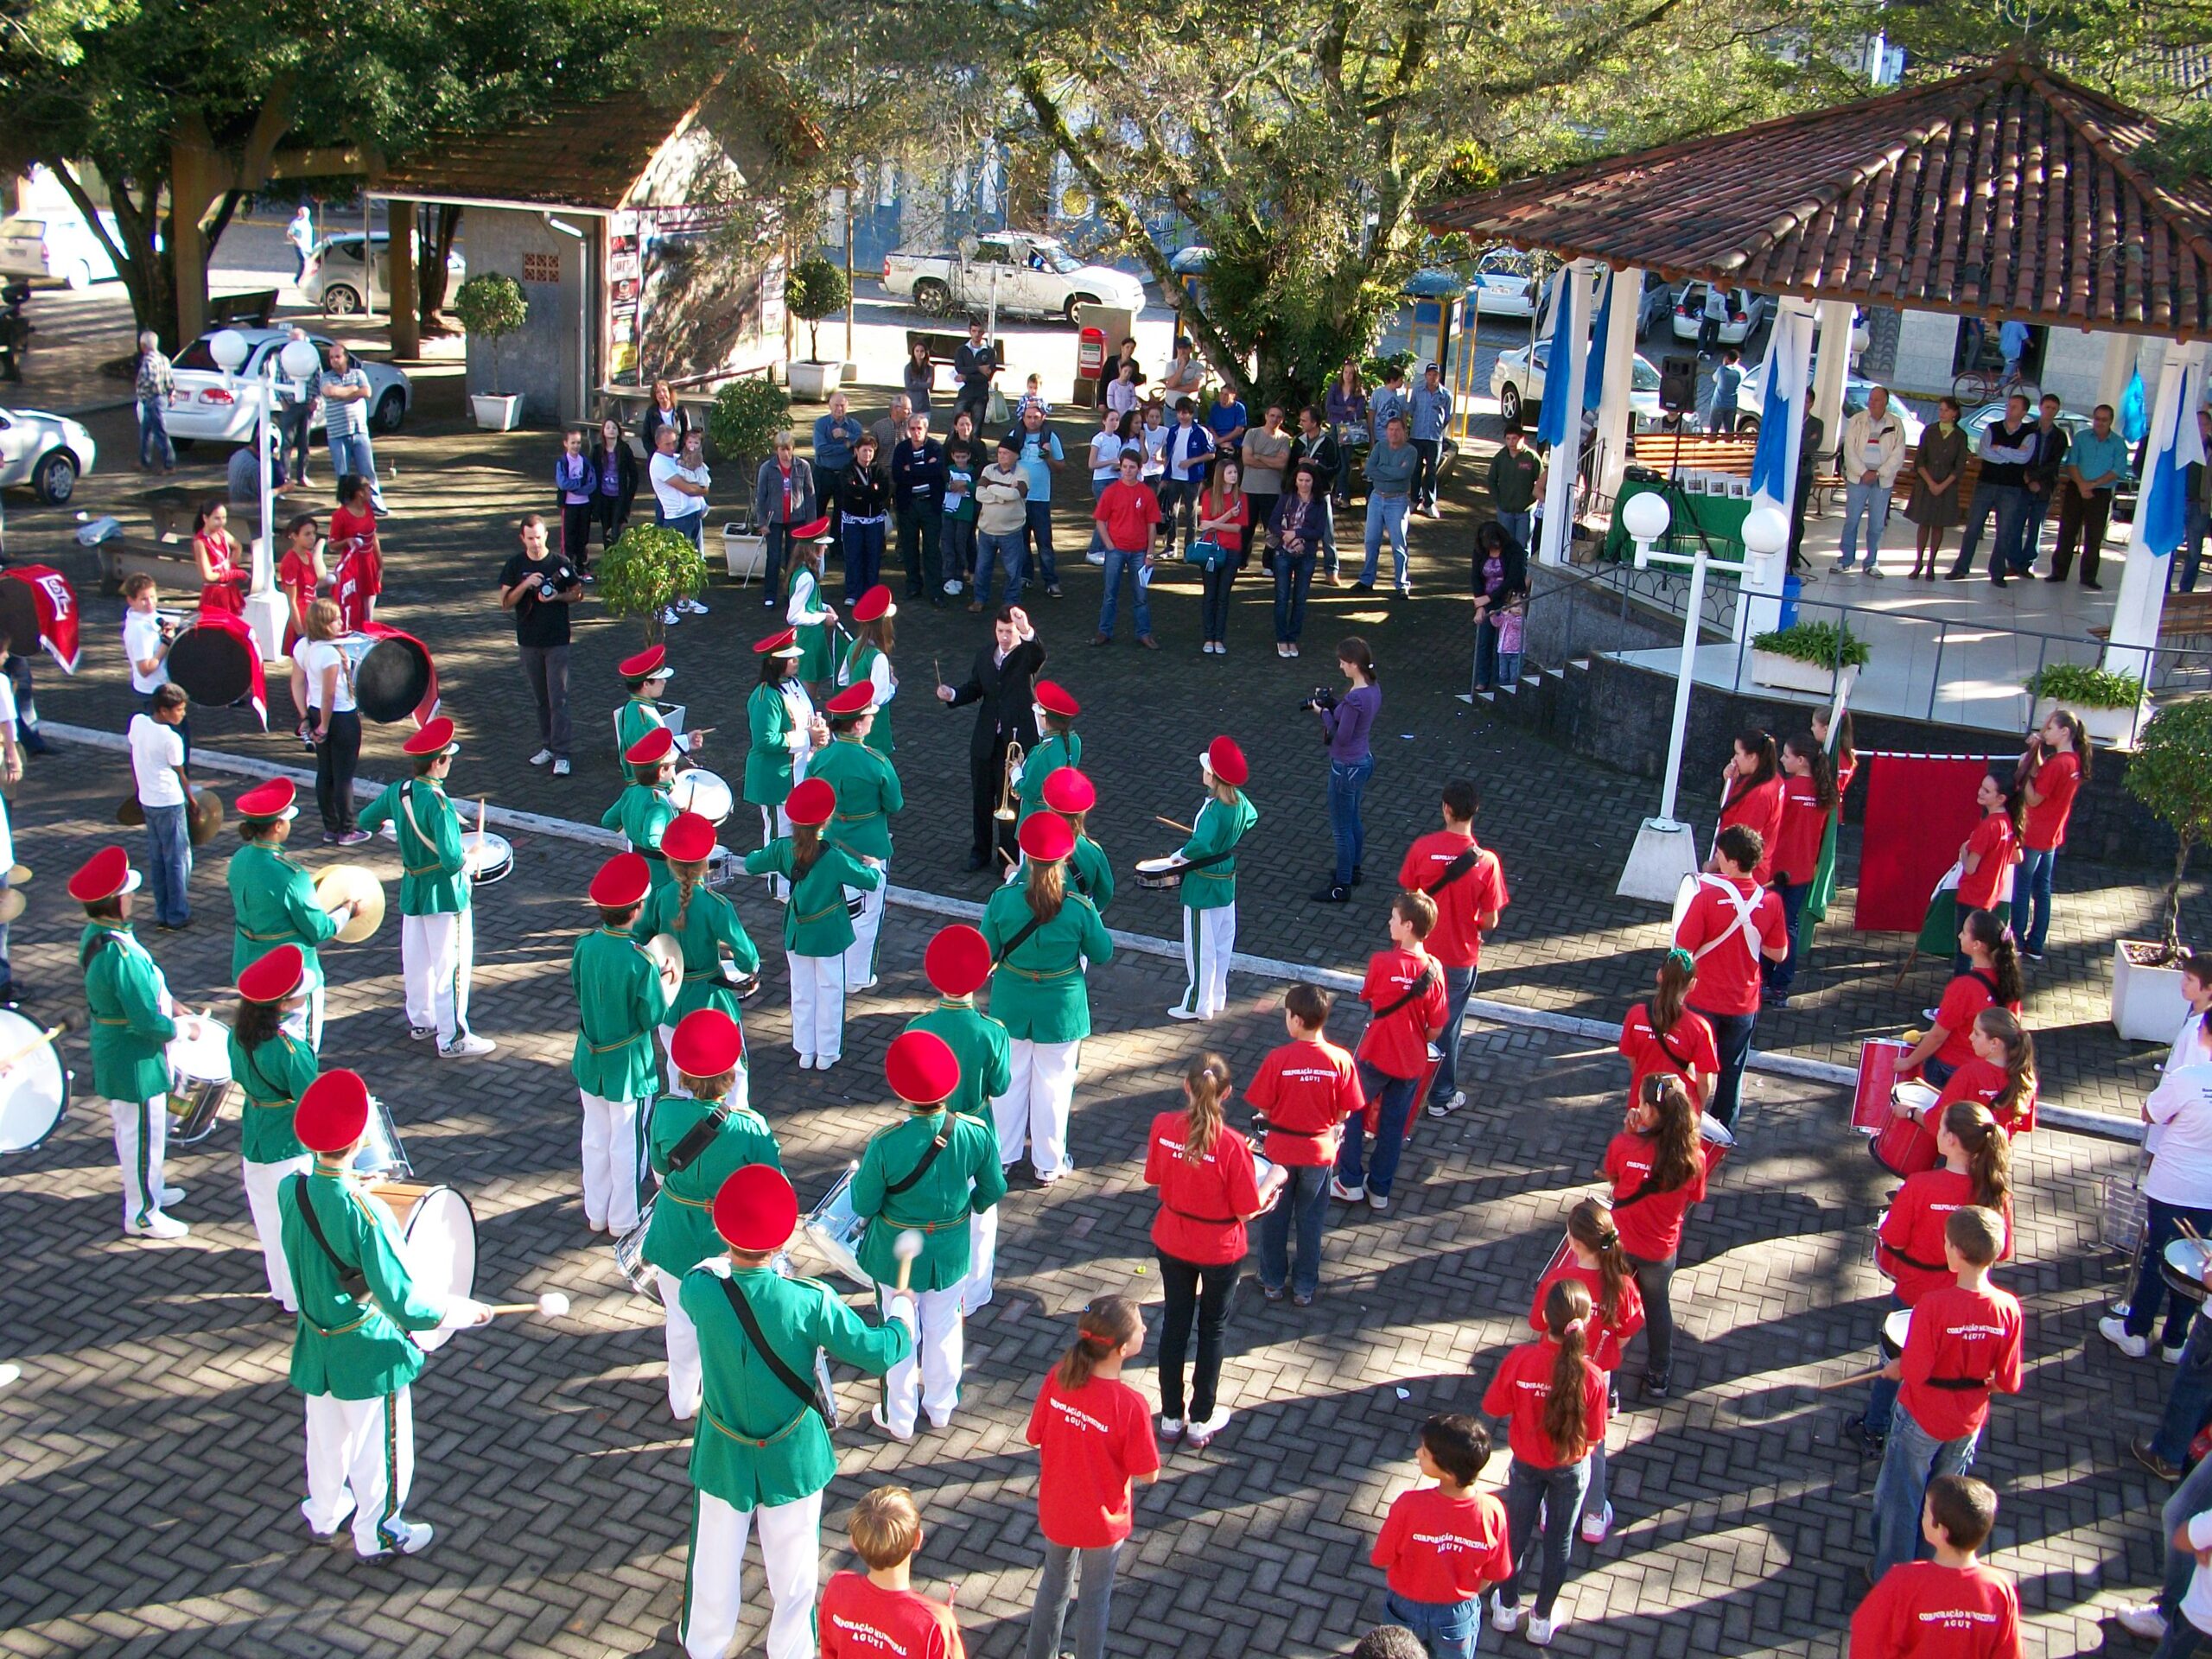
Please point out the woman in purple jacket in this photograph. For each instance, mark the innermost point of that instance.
(1348, 721)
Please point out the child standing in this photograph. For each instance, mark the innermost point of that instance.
(818, 928)
(1658, 1169)
(866, 1615)
(808, 612)
(1508, 618)
(1953, 1607)
(1664, 1035)
(1808, 801)
(1442, 1545)
(1210, 879)
(1596, 1262)
(1407, 993)
(1304, 1090)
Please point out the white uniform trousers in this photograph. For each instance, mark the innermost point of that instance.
(437, 957)
(791, 1547)
(932, 1365)
(774, 824)
(740, 1092)
(142, 1138)
(983, 1258)
(305, 1022)
(1035, 1106)
(361, 1458)
(261, 1181)
(615, 1132)
(685, 1378)
(867, 931)
(818, 1007)
(1209, 941)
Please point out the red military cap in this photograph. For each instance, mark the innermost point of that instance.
(921, 1068)
(332, 1111)
(1226, 761)
(688, 839)
(103, 875)
(1053, 698)
(874, 604)
(622, 881)
(269, 801)
(958, 961)
(778, 644)
(436, 737)
(652, 748)
(811, 529)
(706, 1044)
(1067, 789)
(647, 665)
(756, 1209)
(275, 977)
(855, 699)
(1045, 838)
(812, 802)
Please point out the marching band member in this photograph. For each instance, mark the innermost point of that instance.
(956, 963)
(764, 1450)
(785, 731)
(1059, 744)
(869, 658)
(707, 929)
(133, 1023)
(1656, 1164)
(646, 676)
(437, 918)
(273, 1069)
(1595, 1260)
(352, 1353)
(619, 1002)
(810, 616)
(817, 927)
(1732, 927)
(1665, 1035)
(1042, 939)
(273, 899)
(1071, 794)
(700, 1136)
(1990, 978)
(2002, 1074)
(867, 794)
(930, 1174)
(643, 811)
(1407, 1007)
(1210, 881)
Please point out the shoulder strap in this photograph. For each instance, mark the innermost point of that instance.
(1418, 988)
(1746, 908)
(1452, 872)
(783, 1373)
(407, 807)
(352, 1279)
(1020, 938)
(1987, 983)
(689, 1150)
(928, 1157)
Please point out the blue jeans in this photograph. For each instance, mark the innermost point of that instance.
(1448, 1630)
(1304, 1205)
(1459, 983)
(864, 558)
(1098, 530)
(1559, 1494)
(2192, 556)
(1002, 552)
(2150, 1290)
(1178, 504)
(2192, 1497)
(775, 547)
(1386, 513)
(292, 422)
(1347, 783)
(1509, 668)
(2188, 1402)
(169, 864)
(2037, 865)
(1911, 1460)
(1117, 562)
(1732, 1035)
(1779, 975)
(154, 445)
(1520, 526)
(1352, 1168)
(355, 457)
(1882, 1399)
(1486, 654)
(1040, 530)
(1870, 501)
(2008, 504)
(1294, 575)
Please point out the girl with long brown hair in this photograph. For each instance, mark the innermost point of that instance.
(869, 658)
(1664, 1034)
(2050, 774)
(717, 950)
(1596, 1261)
(1658, 1169)
(1808, 802)
(817, 927)
(1750, 793)
(1987, 975)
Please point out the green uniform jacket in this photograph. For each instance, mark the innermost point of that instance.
(434, 879)
(683, 1232)
(816, 922)
(1051, 754)
(964, 1179)
(711, 931)
(1088, 872)
(1217, 827)
(867, 794)
(643, 812)
(272, 1079)
(632, 720)
(1038, 993)
(273, 901)
(352, 1349)
(123, 988)
(618, 999)
(768, 763)
(861, 658)
(757, 1442)
(982, 1047)
(814, 638)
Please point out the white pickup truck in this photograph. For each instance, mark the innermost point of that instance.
(1030, 275)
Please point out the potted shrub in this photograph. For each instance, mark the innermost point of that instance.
(2170, 773)
(1807, 656)
(742, 423)
(814, 290)
(645, 570)
(2112, 706)
(491, 307)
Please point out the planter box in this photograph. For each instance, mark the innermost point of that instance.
(745, 554)
(2147, 1006)
(1788, 674)
(2113, 727)
(496, 414)
(815, 381)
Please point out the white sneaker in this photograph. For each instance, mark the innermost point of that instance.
(541, 757)
(1169, 1428)
(1875, 571)
(2144, 1620)
(691, 606)
(158, 1226)
(952, 585)
(413, 1538)
(935, 1421)
(421, 1034)
(1540, 1631)
(669, 616)
(465, 1046)
(561, 768)
(172, 1195)
(1179, 1012)
(1198, 1433)
(2117, 1334)
(2172, 1355)
(875, 1416)
(1377, 1202)
(1093, 558)
(1595, 1527)
(806, 1062)
(1503, 1619)
(1344, 1194)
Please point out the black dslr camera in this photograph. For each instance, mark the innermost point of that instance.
(1324, 699)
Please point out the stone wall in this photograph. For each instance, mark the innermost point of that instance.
(539, 359)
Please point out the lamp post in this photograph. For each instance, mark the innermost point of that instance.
(265, 612)
(1666, 850)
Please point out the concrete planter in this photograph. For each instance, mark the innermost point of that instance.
(1788, 674)
(815, 381)
(745, 554)
(2114, 729)
(2147, 1006)
(496, 414)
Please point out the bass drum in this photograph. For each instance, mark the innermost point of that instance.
(437, 1235)
(391, 678)
(213, 664)
(34, 1088)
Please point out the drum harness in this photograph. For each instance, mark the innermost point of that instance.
(693, 1147)
(351, 1279)
(407, 809)
(929, 1156)
(784, 1374)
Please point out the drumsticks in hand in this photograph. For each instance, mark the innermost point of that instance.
(1173, 824)
(8, 1061)
(553, 1304)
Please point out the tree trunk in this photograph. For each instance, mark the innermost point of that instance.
(437, 248)
(2173, 899)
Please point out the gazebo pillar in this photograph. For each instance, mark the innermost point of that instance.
(2142, 600)
(2122, 352)
(1619, 347)
(1564, 382)
(1835, 318)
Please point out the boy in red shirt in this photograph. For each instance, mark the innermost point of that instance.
(1952, 1607)
(1443, 1545)
(1128, 519)
(1731, 927)
(1407, 993)
(299, 574)
(1964, 1341)
(1304, 1090)
(871, 1615)
(1468, 883)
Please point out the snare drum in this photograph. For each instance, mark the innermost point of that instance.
(437, 1235)
(1878, 1057)
(1271, 1179)
(34, 1089)
(836, 1232)
(1907, 1147)
(704, 792)
(1894, 1329)
(381, 1154)
(488, 858)
(199, 1081)
(1165, 872)
(630, 1254)
(1714, 1140)
(2182, 1265)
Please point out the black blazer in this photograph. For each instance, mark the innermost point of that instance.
(656, 418)
(1001, 693)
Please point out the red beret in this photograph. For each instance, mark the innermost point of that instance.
(812, 802)
(644, 665)
(270, 800)
(652, 748)
(332, 1111)
(706, 1044)
(875, 603)
(688, 838)
(1046, 838)
(103, 875)
(810, 529)
(1226, 761)
(1054, 699)
(778, 643)
(622, 881)
(275, 977)
(1067, 789)
(855, 699)
(756, 1209)
(921, 1068)
(958, 960)
(436, 737)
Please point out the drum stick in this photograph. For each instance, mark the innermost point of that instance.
(31, 1047)
(483, 802)
(553, 1304)
(907, 1246)
(1849, 1382)
(1173, 824)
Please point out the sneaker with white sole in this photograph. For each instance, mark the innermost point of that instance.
(1179, 1012)
(1540, 1631)
(1595, 1527)
(408, 1538)
(421, 1034)
(669, 616)
(560, 768)
(2118, 1334)
(2143, 1619)
(1446, 1108)
(465, 1046)
(542, 758)
(1505, 1619)
(1198, 1433)
(1344, 1194)
(158, 1226)
(2172, 1355)
(691, 606)
(1377, 1201)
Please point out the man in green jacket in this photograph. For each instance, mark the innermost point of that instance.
(643, 811)
(131, 1027)
(354, 1354)
(957, 962)
(618, 1002)
(273, 898)
(867, 794)
(437, 921)
(762, 1448)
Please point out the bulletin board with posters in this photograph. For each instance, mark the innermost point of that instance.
(678, 305)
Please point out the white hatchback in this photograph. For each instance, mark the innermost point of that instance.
(1517, 380)
(334, 280)
(206, 407)
(57, 243)
(46, 454)
(1505, 284)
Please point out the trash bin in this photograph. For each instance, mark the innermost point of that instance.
(1791, 587)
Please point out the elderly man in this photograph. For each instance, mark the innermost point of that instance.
(1390, 468)
(1873, 455)
(2094, 468)
(2007, 447)
(835, 435)
(891, 430)
(345, 422)
(155, 383)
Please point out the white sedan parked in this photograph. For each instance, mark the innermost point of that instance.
(47, 453)
(1505, 284)
(1517, 380)
(206, 407)
(1744, 310)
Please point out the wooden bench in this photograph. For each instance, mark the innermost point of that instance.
(252, 309)
(1697, 452)
(2184, 616)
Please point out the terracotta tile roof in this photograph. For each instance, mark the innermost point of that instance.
(2008, 189)
(568, 154)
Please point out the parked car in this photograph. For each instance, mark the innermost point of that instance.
(1744, 310)
(56, 243)
(1517, 380)
(1034, 276)
(334, 281)
(204, 406)
(1657, 305)
(1751, 399)
(1507, 285)
(46, 454)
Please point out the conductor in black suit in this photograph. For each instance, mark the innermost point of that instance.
(999, 686)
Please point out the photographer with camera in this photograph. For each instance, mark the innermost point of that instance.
(539, 585)
(1346, 723)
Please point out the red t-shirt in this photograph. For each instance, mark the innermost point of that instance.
(297, 578)
(1687, 1048)
(1201, 1205)
(1304, 1090)
(1728, 975)
(1960, 1333)
(1964, 999)
(1128, 511)
(1454, 941)
(1982, 1082)
(1845, 771)
(1518, 1392)
(1440, 1549)
(1397, 1045)
(859, 1620)
(349, 530)
(1094, 1441)
(1796, 853)
(1912, 1231)
(1613, 1335)
(2042, 828)
(1210, 506)
(1758, 808)
(1650, 1229)
(1923, 1610)
(358, 579)
(1982, 887)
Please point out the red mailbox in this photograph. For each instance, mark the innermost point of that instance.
(1090, 354)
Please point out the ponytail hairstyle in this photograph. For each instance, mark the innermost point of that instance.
(688, 873)
(1354, 650)
(878, 632)
(1807, 748)
(804, 556)
(2016, 802)
(1989, 1152)
(1048, 887)
(1996, 938)
(1759, 743)
(1843, 754)
(806, 847)
(2079, 734)
(1675, 1155)
(1207, 1082)
(1101, 1330)
(255, 1023)
(2002, 1025)
(1590, 1224)
(1567, 1317)
(1677, 973)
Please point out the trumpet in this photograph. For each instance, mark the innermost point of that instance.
(1005, 812)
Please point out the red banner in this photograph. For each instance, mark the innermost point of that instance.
(56, 603)
(1919, 808)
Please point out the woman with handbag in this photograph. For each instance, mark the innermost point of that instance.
(1224, 514)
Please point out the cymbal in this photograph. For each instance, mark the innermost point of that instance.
(204, 820)
(340, 882)
(19, 876)
(12, 904)
(668, 962)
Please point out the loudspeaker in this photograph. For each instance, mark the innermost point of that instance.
(1677, 382)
